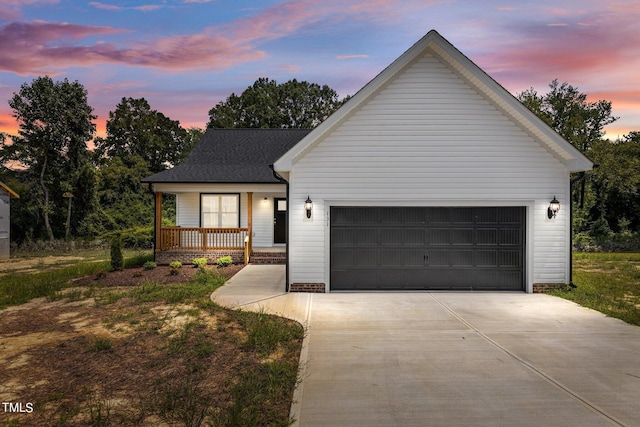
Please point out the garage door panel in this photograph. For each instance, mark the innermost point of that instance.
(508, 258)
(439, 236)
(462, 258)
(462, 236)
(401, 257)
(487, 236)
(510, 215)
(462, 248)
(461, 216)
(438, 216)
(510, 236)
(486, 216)
(413, 236)
(347, 258)
(486, 258)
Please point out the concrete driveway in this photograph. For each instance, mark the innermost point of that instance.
(451, 359)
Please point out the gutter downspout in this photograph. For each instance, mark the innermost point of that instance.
(277, 176)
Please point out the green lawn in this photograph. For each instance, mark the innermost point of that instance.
(608, 283)
(37, 278)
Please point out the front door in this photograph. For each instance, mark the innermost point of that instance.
(279, 220)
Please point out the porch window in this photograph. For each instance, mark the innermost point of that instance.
(220, 210)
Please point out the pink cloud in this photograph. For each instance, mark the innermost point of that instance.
(25, 46)
(285, 18)
(588, 48)
(357, 56)
(39, 47)
(45, 47)
(115, 8)
(104, 6)
(8, 123)
(289, 68)
(11, 9)
(620, 99)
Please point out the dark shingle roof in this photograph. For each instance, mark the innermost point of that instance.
(233, 155)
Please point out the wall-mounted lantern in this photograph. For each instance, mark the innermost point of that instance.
(308, 206)
(554, 207)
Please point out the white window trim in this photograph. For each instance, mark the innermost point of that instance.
(220, 196)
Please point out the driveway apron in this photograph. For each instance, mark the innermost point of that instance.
(453, 359)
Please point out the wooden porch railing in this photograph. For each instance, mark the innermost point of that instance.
(196, 238)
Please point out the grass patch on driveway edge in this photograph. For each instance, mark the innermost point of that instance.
(608, 283)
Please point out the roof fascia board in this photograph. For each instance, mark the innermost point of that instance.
(12, 194)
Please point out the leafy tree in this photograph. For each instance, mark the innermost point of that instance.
(55, 124)
(267, 104)
(135, 129)
(567, 111)
(194, 135)
(125, 201)
(616, 182)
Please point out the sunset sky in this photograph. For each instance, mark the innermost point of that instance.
(184, 56)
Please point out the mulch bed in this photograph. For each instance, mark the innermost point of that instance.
(138, 275)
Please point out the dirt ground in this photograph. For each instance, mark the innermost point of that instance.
(35, 264)
(99, 357)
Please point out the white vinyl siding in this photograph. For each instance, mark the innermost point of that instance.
(427, 138)
(188, 209)
(5, 200)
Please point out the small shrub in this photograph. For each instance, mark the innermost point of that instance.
(117, 259)
(101, 274)
(175, 267)
(149, 265)
(102, 344)
(199, 262)
(224, 261)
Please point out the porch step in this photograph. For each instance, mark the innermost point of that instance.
(268, 258)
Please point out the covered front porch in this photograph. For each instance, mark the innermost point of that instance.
(260, 236)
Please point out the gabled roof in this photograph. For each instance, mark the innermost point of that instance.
(437, 45)
(232, 156)
(12, 194)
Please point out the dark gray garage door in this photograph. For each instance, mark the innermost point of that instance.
(447, 248)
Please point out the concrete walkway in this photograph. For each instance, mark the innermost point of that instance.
(451, 359)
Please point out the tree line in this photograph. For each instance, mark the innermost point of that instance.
(69, 191)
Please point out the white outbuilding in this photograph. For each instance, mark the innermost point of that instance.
(6, 194)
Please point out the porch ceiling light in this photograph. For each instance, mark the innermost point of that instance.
(554, 207)
(308, 206)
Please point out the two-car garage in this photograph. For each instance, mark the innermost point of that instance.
(427, 248)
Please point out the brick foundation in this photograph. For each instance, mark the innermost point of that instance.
(268, 258)
(317, 288)
(186, 257)
(539, 288)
